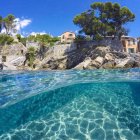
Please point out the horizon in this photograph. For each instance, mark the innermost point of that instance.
(55, 17)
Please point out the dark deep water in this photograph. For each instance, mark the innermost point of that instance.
(63, 105)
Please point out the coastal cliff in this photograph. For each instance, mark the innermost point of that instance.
(70, 56)
(91, 58)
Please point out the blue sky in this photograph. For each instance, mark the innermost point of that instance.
(55, 16)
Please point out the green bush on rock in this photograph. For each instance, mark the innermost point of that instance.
(6, 39)
(31, 56)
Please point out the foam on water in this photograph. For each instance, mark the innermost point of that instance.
(81, 105)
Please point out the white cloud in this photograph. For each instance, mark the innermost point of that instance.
(35, 33)
(21, 23)
(3, 30)
(40, 33)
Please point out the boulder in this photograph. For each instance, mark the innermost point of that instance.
(8, 66)
(120, 55)
(18, 61)
(99, 51)
(109, 57)
(84, 64)
(91, 64)
(126, 63)
(99, 60)
(54, 63)
(108, 65)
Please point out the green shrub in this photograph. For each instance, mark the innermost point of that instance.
(18, 37)
(31, 56)
(6, 39)
(43, 40)
(23, 41)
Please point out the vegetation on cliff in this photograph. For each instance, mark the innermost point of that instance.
(5, 39)
(31, 56)
(43, 40)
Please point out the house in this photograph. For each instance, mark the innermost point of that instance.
(138, 44)
(130, 44)
(67, 37)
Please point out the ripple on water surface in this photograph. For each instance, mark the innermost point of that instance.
(83, 111)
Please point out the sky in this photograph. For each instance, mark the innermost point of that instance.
(56, 16)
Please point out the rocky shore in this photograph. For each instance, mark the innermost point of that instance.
(90, 58)
(100, 57)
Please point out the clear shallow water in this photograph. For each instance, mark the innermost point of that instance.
(63, 105)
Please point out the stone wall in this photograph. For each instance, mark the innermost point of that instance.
(59, 50)
(115, 44)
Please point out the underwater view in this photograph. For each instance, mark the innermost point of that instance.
(70, 105)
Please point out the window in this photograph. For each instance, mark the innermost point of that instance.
(131, 50)
(70, 35)
(128, 42)
(69, 39)
(63, 37)
(134, 42)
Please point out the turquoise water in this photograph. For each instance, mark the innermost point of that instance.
(70, 105)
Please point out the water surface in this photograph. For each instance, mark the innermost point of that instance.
(65, 105)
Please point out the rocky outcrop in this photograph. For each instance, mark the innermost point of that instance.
(14, 49)
(128, 62)
(8, 66)
(84, 64)
(104, 57)
(18, 61)
(90, 58)
(54, 63)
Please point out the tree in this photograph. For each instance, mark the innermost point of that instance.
(9, 23)
(1, 23)
(104, 19)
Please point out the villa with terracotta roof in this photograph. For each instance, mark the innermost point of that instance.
(130, 44)
(67, 37)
